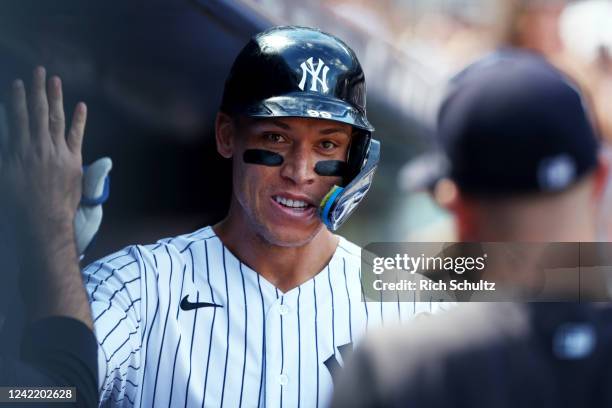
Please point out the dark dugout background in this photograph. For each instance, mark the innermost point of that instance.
(152, 73)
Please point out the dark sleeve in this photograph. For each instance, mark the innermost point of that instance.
(357, 384)
(56, 351)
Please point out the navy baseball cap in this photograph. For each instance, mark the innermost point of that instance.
(511, 123)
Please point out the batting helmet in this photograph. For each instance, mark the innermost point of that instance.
(303, 72)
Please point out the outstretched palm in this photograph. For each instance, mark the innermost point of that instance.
(40, 166)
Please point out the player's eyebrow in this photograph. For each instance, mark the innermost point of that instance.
(281, 124)
(330, 131)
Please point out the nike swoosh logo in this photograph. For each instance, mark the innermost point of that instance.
(187, 305)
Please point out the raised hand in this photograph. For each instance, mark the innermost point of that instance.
(40, 165)
(40, 180)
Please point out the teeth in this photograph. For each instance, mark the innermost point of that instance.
(290, 203)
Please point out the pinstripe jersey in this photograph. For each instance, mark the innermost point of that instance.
(260, 348)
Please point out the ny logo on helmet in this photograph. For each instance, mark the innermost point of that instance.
(309, 68)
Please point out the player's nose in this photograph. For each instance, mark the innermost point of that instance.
(299, 166)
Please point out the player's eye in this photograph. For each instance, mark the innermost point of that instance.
(328, 145)
(274, 138)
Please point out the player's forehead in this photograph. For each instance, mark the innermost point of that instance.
(295, 124)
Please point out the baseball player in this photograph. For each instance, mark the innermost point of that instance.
(262, 308)
(524, 157)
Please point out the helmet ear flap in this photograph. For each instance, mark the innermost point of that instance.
(357, 153)
(340, 202)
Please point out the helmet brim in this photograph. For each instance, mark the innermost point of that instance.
(300, 104)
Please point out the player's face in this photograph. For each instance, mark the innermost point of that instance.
(280, 202)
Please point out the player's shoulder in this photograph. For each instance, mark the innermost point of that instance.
(117, 260)
(180, 244)
(176, 247)
(177, 250)
(350, 253)
(353, 252)
(348, 249)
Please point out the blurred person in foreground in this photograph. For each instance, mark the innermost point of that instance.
(40, 180)
(525, 160)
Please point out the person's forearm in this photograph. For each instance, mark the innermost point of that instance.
(51, 280)
(66, 358)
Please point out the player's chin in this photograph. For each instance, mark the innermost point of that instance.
(292, 236)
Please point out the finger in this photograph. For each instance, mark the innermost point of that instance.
(77, 128)
(39, 112)
(4, 135)
(21, 127)
(57, 121)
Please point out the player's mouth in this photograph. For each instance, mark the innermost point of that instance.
(294, 206)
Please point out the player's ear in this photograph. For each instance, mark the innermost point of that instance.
(463, 209)
(225, 134)
(446, 194)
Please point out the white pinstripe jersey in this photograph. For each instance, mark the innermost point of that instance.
(261, 348)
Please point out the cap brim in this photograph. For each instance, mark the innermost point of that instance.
(305, 105)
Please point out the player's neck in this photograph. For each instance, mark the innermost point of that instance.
(284, 267)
